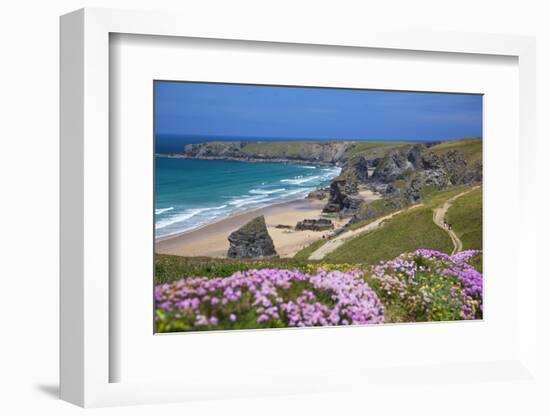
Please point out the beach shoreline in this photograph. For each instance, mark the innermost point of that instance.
(210, 240)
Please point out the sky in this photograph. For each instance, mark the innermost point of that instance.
(210, 110)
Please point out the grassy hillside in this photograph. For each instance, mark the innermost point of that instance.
(374, 149)
(307, 251)
(471, 148)
(276, 149)
(169, 268)
(299, 149)
(465, 216)
(407, 231)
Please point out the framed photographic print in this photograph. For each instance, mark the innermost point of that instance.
(276, 208)
(270, 212)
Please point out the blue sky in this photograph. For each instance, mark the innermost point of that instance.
(270, 112)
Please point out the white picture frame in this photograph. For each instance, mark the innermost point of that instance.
(86, 356)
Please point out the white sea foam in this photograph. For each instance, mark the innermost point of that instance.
(266, 191)
(159, 211)
(244, 201)
(298, 180)
(184, 216)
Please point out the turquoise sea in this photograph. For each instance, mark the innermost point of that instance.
(190, 193)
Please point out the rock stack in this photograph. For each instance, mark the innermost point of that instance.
(251, 241)
(343, 197)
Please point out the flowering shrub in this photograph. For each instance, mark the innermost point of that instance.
(431, 286)
(267, 298)
(425, 285)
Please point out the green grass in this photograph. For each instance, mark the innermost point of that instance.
(170, 268)
(465, 216)
(304, 253)
(276, 149)
(404, 232)
(374, 149)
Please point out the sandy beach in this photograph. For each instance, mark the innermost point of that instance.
(211, 240)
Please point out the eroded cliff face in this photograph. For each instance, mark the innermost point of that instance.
(403, 175)
(421, 166)
(400, 173)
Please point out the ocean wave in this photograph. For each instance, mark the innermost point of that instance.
(244, 201)
(159, 211)
(184, 216)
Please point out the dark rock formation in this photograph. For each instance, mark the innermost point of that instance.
(415, 155)
(395, 165)
(472, 174)
(284, 227)
(412, 193)
(404, 172)
(357, 168)
(343, 197)
(319, 194)
(315, 225)
(365, 211)
(251, 241)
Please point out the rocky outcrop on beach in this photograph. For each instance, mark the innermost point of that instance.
(321, 224)
(319, 194)
(251, 241)
(343, 197)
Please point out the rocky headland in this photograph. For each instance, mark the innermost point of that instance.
(400, 172)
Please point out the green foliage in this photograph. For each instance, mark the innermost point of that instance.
(465, 216)
(443, 306)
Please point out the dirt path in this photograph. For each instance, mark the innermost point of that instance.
(337, 241)
(439, 219)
